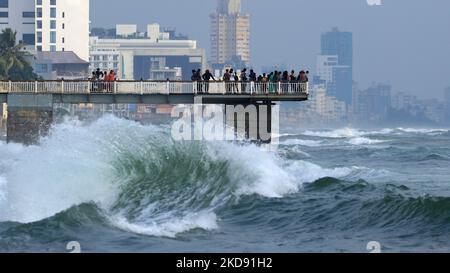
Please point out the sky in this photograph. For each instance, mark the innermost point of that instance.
(405, 43)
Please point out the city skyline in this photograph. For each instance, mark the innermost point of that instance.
(388, 39)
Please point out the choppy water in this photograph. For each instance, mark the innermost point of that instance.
(117, 186)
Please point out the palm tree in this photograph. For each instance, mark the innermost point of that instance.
(11, 54)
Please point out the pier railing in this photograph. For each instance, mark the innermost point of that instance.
(153, 87)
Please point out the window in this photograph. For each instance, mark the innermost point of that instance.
(28, 14)
(42, 68)
(52, 24)
(3, 14)
(52, 48)
(39, 37)
(39, 12)
(52, 12)
(3, 3)
(63, 49)
(63, 26)
(63, 40)
(39, 48)
(63, 15)
(53, 37)
(39, 2)
(29, 39)
(39, 24)
(52, 2)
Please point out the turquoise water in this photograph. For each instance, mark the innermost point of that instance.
(117, 186)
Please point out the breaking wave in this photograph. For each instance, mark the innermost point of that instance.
(142, 180)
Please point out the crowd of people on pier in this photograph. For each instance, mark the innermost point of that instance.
(102, 80)
(235, 82)
(241, 82)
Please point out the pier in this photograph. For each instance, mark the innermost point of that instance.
(30, 103)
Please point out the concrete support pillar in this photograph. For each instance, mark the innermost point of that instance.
(29, 118)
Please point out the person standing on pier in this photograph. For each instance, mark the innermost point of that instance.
(207, 76)
(198, 78)
(285, 81)
(264, 81)
(226, 79)
(236, 82)
(272, 80)
(292, 81)
(244, 80)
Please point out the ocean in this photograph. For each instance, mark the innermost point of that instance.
(114, 185)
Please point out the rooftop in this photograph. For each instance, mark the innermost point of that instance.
(60, 57)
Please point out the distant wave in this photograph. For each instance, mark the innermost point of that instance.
(437, 157)
(355, 133)
(302, 142)
(364, 141)
(339, 133)
(422, 131)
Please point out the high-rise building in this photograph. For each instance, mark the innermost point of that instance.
(339, 44)
(404, 101)
(374, 103)
(63, 25)
(49, 25)
(19, 15)
(230, 34)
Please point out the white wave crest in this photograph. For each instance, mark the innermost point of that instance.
(302, 142)
(309, 172)
(339, 133)
(169, 227)
(422, 131)
(364, 141)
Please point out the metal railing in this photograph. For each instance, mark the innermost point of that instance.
(153, 87)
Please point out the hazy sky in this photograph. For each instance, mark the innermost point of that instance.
(403, 42)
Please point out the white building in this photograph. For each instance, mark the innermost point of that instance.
(49, 25)
(105, 59)
(147, 58)
(125, 30)
(326, 65)
(325, 108)
(63, 25)
(19, 15)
